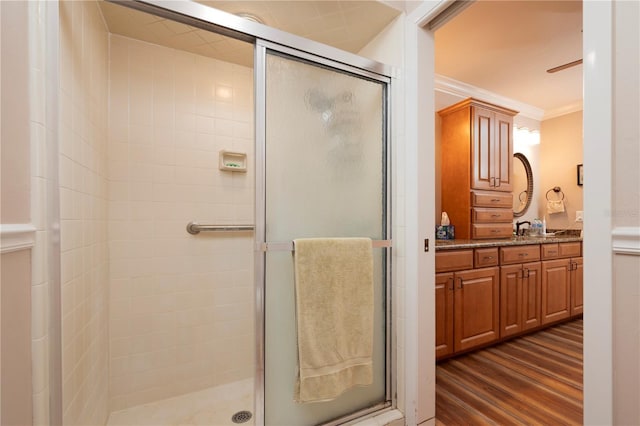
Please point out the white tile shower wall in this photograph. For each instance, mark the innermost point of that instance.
(83, 212)
(181, 305)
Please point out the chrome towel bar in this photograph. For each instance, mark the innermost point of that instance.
(195, 228)
(288, 245)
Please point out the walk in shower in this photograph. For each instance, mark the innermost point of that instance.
(221, 148)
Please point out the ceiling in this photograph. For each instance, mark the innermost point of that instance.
(503, 47)
(506, 47)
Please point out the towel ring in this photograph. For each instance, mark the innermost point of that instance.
(525, 197)
(555, 189)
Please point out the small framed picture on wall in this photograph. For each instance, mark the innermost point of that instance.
(580, 174)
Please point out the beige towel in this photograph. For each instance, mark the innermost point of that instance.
(555, 206)
(334, 312)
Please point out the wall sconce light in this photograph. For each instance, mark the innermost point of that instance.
(524, 136)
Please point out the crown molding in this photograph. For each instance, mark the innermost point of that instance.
(16, 236)
(568, 109)
(457, 88)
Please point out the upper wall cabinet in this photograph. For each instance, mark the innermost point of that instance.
(477, 164)
(491, 149)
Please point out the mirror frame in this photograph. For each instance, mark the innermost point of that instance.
(529, 190)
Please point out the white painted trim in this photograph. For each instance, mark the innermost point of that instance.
(567, 109)
(598, 53)
(626, 240)
(17, 236)
(458, 88)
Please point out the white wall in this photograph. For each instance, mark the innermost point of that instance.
(182, 306)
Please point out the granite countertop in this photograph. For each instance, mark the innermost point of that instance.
(513, 241)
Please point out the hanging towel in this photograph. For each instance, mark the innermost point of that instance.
(334, 314)
(555, 206)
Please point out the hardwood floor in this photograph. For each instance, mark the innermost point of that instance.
(531, 380)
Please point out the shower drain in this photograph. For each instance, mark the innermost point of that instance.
(241, 417)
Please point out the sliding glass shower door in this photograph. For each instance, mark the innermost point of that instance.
(324, 163)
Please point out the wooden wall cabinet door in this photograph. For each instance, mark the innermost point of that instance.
(492, 150)
(520, 298)
(444, 314)
(576, 286)
(476, 307)
(556, 290)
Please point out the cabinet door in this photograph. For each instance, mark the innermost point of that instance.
(576, 286)
(556, 290)
(510, 300)
(503, 153)
(444, 314)
(482, 149)
(531, 295)
(476, 307)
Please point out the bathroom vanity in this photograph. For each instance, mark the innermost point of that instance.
(488, 291)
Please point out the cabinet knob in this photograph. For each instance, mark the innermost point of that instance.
(495, 200)
(450, 280)
(487, 258)
(523, 254)
(495, 215)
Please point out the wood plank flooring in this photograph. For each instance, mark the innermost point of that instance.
(530, 380)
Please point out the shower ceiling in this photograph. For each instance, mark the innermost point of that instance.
(504, 47)
(347, 25)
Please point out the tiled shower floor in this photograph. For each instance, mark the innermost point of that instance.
(209, 407)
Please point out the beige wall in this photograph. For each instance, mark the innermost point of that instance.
(83, 213)
(560, 153)
(15, 266)
(15, 177)
(15, 373)
(181, 305)
(626, 215)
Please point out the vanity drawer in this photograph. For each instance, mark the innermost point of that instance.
(487, 215)
(572, 249)
(559, 250)
(491, 199)
(455, 260)
(485, 257)
(519, 254)
(550, 251)
(497, 230)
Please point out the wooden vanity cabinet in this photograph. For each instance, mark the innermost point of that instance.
(486, 294)
(467, 303)
(562, 281)
(520, 298)
(520, 289)
(477, 156)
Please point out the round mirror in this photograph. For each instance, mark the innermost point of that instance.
(522, 184)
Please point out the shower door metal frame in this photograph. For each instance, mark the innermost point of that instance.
(262, 47)
(263, 38)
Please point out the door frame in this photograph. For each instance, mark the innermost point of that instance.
(598, 43)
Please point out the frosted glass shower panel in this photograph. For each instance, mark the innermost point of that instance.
(325, 161)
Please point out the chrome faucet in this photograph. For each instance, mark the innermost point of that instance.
(518, 224)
